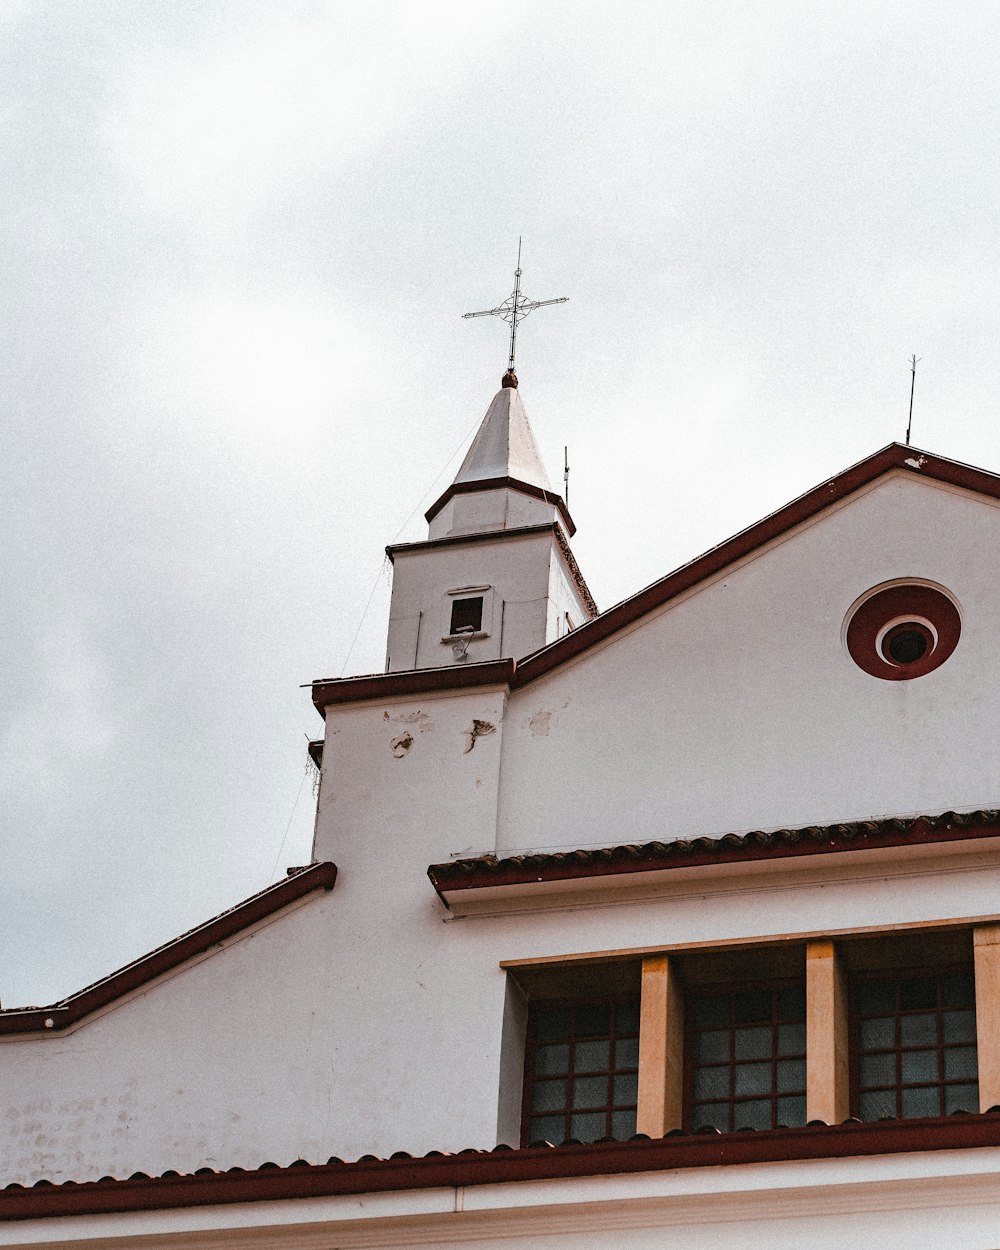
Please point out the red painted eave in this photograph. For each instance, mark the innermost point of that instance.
(410, 681)
(169, 956)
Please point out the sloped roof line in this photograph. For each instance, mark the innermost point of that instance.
(165, 958)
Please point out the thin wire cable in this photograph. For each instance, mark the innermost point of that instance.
(295, 807)
(371, 596)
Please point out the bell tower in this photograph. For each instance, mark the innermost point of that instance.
(495, 577)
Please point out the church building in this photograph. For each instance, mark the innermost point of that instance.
(673, 925)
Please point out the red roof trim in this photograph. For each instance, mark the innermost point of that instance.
(503, 483)
(589, 634)
(488, 872)
(500, 1166)
(169, 956)
(410, 681)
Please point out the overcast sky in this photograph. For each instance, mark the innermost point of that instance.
(237, 241)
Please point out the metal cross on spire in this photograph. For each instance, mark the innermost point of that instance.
(515, 308)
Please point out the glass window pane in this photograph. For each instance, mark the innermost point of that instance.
(877, 998)
(791, 1004)
(711, 1115)
(752, 1078)
(711, 1012)
(592, 1056)
(959, 1063)
(791, 1112)
(547, 1128)
(919, 1030)
(752, 1006)
(792, 1039)
(878, 1106)
(626, 1090)
(918, 1065)
(791, 1075)
(877, 1070)
(958, 991)
(917, 992)
(590, 1091)
(588, 1126)
(623, 1124)
(627, 1052)
(711, 1082)
(551, 1060)
(756, 1114)
(961, 1098)
(713, 1046)
(921, 1101)
(878, 1034)
(627, 1017)
(959, 1026)
(552, 1024)
(752, 1043)
(593, 1020)
(548, 1096)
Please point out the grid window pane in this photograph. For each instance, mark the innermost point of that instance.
(735, 1077)
(581, 1064)
(915, 1044)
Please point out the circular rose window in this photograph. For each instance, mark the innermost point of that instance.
(902, 631)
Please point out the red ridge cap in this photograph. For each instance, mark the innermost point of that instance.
(500, 1166)
(410, 681)
(501, 483)
(164, 958)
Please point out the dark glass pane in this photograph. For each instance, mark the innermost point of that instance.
(711, 1082)
(547, 1128)
(918, 1102)
(752, 1078)
(466, 614)
(751, 1006)
(918, 1066)
(622, 1124)
(791, 1075)
(876, 998)
(959, 1026)
(917, 993)
(552, 1024)
(756, 1114)
(791, 1004)
(920, 1030)
(878, 1106)
(592, 1056)
(791, 1111)
(961, 1098)
(711, 1012)
(752, 1043)
(713, 1046)
(627, 1052)
(958, 991)
(588, 1126)
(791, 1039)
(877, 1070)
(590, 1091)
(711, 1115)
(593, 1020)
(627, 1017)
(907, 646)
(551, 1060)
(960, 1063)
(878, 1034)
(626, 1090)
(548, 1096)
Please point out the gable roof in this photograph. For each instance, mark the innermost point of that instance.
(894, 458)
(165, 958)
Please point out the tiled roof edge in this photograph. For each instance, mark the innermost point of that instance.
(401, 1171)
(488, 871)
(164, 958)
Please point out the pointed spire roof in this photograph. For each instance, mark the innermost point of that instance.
(505, 445)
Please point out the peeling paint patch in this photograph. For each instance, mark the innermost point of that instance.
(427, 726)
(399, 746)
(540, 723)
(915, 462)
(478, 729)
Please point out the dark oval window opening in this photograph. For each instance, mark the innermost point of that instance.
(906, 644)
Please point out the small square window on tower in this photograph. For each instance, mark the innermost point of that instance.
(466, 614)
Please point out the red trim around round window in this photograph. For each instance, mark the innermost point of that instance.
(906, 608)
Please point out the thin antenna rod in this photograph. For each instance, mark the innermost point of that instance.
(517, 296)
(566, 476)
(913, 382)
